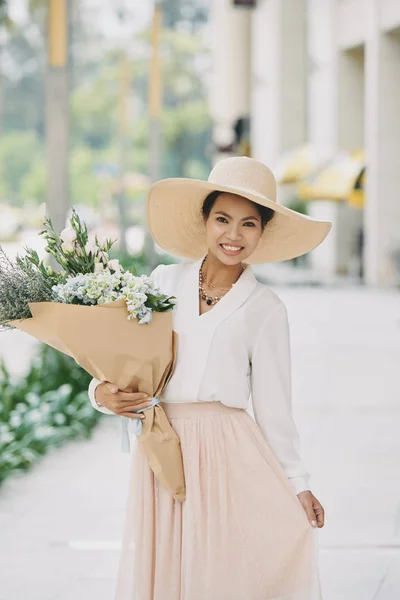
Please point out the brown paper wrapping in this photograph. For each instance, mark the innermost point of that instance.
(135, 357)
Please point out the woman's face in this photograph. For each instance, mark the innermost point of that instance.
(233, 228)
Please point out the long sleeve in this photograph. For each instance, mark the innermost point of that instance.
(95, 382)
(271, 388)
(91, 393)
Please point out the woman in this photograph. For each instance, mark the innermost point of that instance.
(247, 529)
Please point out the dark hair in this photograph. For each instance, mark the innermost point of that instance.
(265, 212)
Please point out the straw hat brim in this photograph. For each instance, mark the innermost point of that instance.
(174, 219)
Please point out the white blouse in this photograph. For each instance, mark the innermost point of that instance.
(237, 350)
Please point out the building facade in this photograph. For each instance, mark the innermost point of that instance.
(326, 73)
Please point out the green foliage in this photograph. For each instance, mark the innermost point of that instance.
(20, 153)
(95, 101)
(298, 205)
(94, 110)
(85, 186)
(5, 20)
(42, 410)
(32, 189)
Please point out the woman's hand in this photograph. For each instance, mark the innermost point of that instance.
(121, 403)
(312, 506)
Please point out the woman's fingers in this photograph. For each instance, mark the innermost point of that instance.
(132, 415)
(306, 499)
(137, 406)
(132, 397)
(320, 513)
(122, 402)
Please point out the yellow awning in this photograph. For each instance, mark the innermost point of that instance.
(341, 179)
(296, 164)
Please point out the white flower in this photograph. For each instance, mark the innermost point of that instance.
(146, 318)
(104, 286)
(67, 247)
(114, 264)
(68, 235)
(90, 247)
(103, 255)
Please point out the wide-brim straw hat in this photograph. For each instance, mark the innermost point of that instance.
(175, 220)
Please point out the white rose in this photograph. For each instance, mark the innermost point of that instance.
(67, 247)
(98, 267)
(90, 247)
(68, 235)
(114, 264)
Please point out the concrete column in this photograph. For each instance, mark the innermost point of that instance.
(279, 78)
(350, 135)
(351, 105)
(322, 118)
(382, 125)
(335, 122)
(231, 71)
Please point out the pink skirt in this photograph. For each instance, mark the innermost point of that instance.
(240, 534)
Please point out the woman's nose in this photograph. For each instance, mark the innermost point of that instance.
(233, 233)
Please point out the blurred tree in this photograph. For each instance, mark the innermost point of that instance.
(6, 25)
(85, 188)
(185, 14)
(18, 152)
(93, 111)
(33, 185)
(23, 81)
(5, 20)
(186, 124)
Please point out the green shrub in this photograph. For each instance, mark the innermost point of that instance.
(43, 410)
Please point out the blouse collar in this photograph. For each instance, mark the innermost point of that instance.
(189, 294)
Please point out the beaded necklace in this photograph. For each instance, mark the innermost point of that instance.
(203, 294)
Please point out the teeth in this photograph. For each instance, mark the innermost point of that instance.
(231, 248)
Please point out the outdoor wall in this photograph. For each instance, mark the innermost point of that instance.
(322, 120)
(382, 214)
(368, 33)
(279, 75)
(231, 77)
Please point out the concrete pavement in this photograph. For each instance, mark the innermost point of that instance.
(61, 524)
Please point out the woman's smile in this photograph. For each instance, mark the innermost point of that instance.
(231, 250)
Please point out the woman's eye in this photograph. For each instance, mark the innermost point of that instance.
(247, 222)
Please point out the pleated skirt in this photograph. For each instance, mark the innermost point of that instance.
(240, 534)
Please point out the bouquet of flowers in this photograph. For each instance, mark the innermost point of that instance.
(115, 324)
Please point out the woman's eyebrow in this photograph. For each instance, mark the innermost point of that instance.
(221, 212)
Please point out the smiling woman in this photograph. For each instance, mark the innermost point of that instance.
(246, 527)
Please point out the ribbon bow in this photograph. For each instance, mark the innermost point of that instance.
(135, 425)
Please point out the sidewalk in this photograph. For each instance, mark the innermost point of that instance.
(61, 524)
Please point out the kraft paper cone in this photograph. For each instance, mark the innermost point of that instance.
(135, 357)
